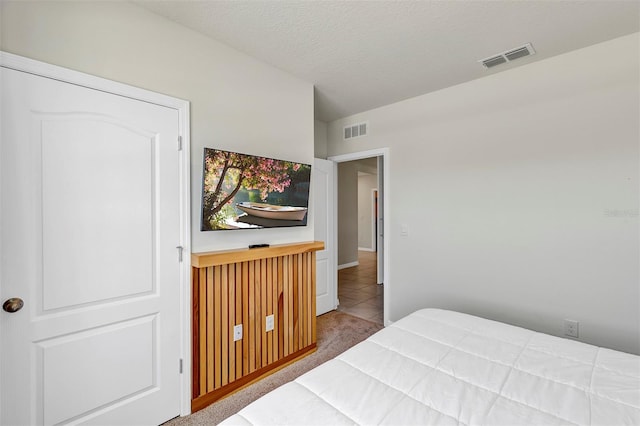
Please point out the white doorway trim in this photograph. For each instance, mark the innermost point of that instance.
(23, 64)
(384, 153)
(374, 220)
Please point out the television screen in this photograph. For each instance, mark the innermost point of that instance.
(241, 191)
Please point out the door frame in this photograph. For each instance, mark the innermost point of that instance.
(20, 63)
(374, 219)
(386, 216)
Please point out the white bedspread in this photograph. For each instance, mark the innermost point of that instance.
(446, 368)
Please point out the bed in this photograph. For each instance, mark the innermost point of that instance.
(447, 368)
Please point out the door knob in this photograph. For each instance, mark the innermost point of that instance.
(12, 305)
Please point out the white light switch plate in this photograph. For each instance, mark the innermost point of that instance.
(269, 322)
(237, 332)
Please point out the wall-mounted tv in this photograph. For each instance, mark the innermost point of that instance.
(241, 191)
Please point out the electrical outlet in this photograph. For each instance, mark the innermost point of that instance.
(269, 322)
(237, 332)
(571, 328)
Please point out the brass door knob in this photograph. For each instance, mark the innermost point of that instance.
(12, 305)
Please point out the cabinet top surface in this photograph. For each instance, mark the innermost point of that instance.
(223, 257)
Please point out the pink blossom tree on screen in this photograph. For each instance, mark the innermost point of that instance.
(227, 172)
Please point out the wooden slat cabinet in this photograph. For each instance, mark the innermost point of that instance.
(244, 287)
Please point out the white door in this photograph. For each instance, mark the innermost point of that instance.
(326, 272)
(90, 223)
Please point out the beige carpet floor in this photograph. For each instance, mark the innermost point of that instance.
(336, 332)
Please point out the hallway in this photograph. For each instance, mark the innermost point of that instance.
(358, 293)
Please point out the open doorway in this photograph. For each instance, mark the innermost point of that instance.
(363, 289)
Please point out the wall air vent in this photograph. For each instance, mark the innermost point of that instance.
(355, 130)
(508, 56)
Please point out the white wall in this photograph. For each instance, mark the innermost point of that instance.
(237, 102)
(320, 139)
(521, 194)
(347, 213)
(366, 184)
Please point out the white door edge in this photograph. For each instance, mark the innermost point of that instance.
(326, 276)
(386, 161)
(19, 63)
(381, 218)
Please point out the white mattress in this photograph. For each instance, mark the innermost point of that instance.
(446, 368)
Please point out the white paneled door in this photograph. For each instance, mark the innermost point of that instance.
(90, 223)
(323, 213)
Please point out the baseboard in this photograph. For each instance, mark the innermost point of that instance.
(348, 265)
(366, 249)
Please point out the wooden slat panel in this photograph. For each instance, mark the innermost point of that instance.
(245, 317)
(257, 324)
(280, 302)
(290, 301)
(217, 333)
(246, 293)
(263, 309)
(310, 299)
(269, 280)
(296, 303)
(224, 328)
(303, 301)
(195, 330)
(231, 320)
(305, 298)
(313, 298)
(250, 327)
(239, 310)
(205, 400)
(209, 328)
(203, 331)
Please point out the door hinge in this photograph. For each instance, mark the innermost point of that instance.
(179, 143)
(180, 250)
(180, 365)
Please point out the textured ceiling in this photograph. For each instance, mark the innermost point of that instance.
(364, 54)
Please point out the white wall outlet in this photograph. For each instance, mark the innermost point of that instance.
(237, 332)
(571, 328)
(404, 230)
(269, 322)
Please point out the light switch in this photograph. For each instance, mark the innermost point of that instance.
(237, 332)
(269, 322)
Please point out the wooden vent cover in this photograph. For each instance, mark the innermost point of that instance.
(244, 287)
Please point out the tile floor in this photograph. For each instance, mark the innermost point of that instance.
(358, 293)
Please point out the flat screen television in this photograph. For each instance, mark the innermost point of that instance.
(241, 191)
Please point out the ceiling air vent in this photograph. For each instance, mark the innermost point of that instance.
(355, 130)
(508, 56)
(492, 62)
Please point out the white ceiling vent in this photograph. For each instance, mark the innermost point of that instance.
(355, 130)
(508, 56)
